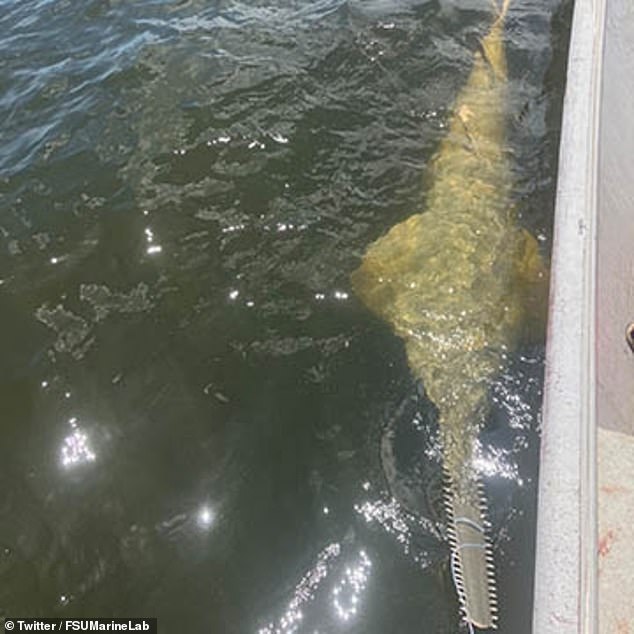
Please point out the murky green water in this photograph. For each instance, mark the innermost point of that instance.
(199, 421)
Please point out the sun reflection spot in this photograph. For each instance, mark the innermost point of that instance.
(496, 463)
(76, 448)
(205, 517)
(233, 228)
(347, 593)
(149, 237)
(305, 591)
(395, 521)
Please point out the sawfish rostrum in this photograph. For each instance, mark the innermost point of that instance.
(453, 282)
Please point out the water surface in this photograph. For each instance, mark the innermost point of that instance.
(199, 421)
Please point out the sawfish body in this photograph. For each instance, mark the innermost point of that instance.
(453, 281)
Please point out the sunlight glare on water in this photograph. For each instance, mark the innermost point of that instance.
(76, 448)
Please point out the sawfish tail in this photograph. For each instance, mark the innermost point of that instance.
(493, 47)
(501, 10)
(472, 564)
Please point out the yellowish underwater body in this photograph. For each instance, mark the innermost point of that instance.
(454, 281)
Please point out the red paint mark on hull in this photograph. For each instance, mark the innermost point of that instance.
(605, 543)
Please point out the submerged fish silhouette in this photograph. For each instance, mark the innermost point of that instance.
(453, 282)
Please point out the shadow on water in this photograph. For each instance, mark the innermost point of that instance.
(199, 421)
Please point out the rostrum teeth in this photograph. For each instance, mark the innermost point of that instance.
(460, 533)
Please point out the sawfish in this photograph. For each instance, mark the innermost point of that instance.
(455, 282)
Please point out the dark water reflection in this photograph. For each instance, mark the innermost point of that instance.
(199, 422)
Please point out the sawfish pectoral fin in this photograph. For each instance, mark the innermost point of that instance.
(369, 286)
(532, 278)
(380, 276)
